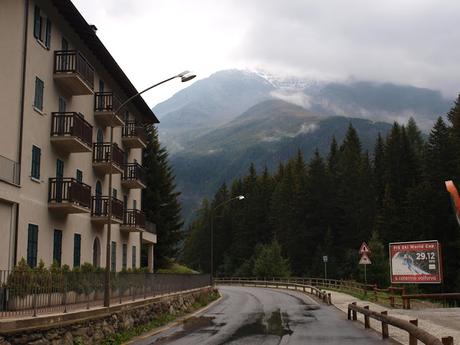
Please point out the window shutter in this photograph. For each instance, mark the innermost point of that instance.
(76, 250)
(32, 245)
(39, 86)
(134, 257)
(37, 21)
(48, 33)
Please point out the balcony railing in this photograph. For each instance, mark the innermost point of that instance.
(69, 190)
(100, 207)
(102, 152)
(9, 170)
(71, 124)
(133, 175)
(106, 102)
(134, 219)
(73, 62)
(134, 135)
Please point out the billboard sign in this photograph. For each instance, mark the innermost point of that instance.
(415, 262)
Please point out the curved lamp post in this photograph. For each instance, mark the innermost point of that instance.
(184, 76)
(239, 197)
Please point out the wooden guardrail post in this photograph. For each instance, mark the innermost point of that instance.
(329, 300)
(412, 338)
(355, 315)
(366, 318)
(392, 301)
(385, 333)
(447, 341)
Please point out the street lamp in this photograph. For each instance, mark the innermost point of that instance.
(184, 76)
(239, 197)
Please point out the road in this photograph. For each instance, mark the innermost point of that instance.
(248, 315)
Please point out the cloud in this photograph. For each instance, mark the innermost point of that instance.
(405, 42)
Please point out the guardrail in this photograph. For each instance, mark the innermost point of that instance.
(323, 295)
(415, 333)
(443, 296)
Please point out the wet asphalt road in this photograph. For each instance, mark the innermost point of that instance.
(248, 315)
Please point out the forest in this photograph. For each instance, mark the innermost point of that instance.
(330, 205)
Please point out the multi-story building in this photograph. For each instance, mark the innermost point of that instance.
(60, 88)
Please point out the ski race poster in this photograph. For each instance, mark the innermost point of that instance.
(415, 262)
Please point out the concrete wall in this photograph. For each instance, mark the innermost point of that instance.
(92, 326)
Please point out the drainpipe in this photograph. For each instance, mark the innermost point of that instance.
(21, 123)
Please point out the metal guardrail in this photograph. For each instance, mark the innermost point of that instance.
(415, 333)
(28, 292)
(9, 170)
(279, 284)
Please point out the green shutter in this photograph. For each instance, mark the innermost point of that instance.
(125, 255)
(32, 245)
(134, 257)
(35, 166)
(76, 250)
(37, 23)
(39, 87)
(113, 260)
(57, 247)
(48, 34)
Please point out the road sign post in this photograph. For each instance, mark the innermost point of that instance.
(365, 251)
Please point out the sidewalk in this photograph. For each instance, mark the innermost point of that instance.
(441, 322)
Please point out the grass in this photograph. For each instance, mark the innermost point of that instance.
(175, 268)
(159, 321)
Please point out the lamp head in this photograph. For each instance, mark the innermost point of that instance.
(240, 197)
(186, 76)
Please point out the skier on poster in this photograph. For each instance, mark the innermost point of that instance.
(408, 261)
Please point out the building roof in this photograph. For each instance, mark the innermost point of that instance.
(70, 13)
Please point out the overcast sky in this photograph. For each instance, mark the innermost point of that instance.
(402, 41)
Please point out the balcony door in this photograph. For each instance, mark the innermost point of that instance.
(99, 148)
(101, 98)
(61, 120)
(59, 178)
(98, 206)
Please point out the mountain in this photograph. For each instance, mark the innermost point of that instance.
(208, 103)
(217, 126)
(267, 134)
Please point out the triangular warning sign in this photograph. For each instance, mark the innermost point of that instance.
(365, 260)
(364, 249)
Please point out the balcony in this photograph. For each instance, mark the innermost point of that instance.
(100, 210)
(73, 72)
(134, 136)
(101, 158)
(133, 176)
(9, 170)
(105, 105)
(67, 195)
(134, 220)
(71, 133)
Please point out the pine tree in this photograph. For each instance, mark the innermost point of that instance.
(160, 199)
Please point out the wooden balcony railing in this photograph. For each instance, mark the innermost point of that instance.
(133, 171)
(106, 102)
(100, 207)
(71, 124)
(72, 61)
(134, 218)
(132, 129)
(102, 152)
(66, 189)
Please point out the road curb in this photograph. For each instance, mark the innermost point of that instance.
(174, 323)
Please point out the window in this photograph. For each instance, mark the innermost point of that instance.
(38, 100)
(43, 37)
(76, 250)
(114, 193)
(36, 156)
(62, 105)
(57, 247)
(125, 255)
(134, 257)
(79, 176)
(32, 245)
(113, 257)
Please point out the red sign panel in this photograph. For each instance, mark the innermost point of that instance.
(415, 262)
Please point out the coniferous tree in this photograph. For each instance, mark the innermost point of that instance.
(160, 199)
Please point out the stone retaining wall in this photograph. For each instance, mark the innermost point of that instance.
(91, 326)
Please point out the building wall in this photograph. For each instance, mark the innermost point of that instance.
(33, 194)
